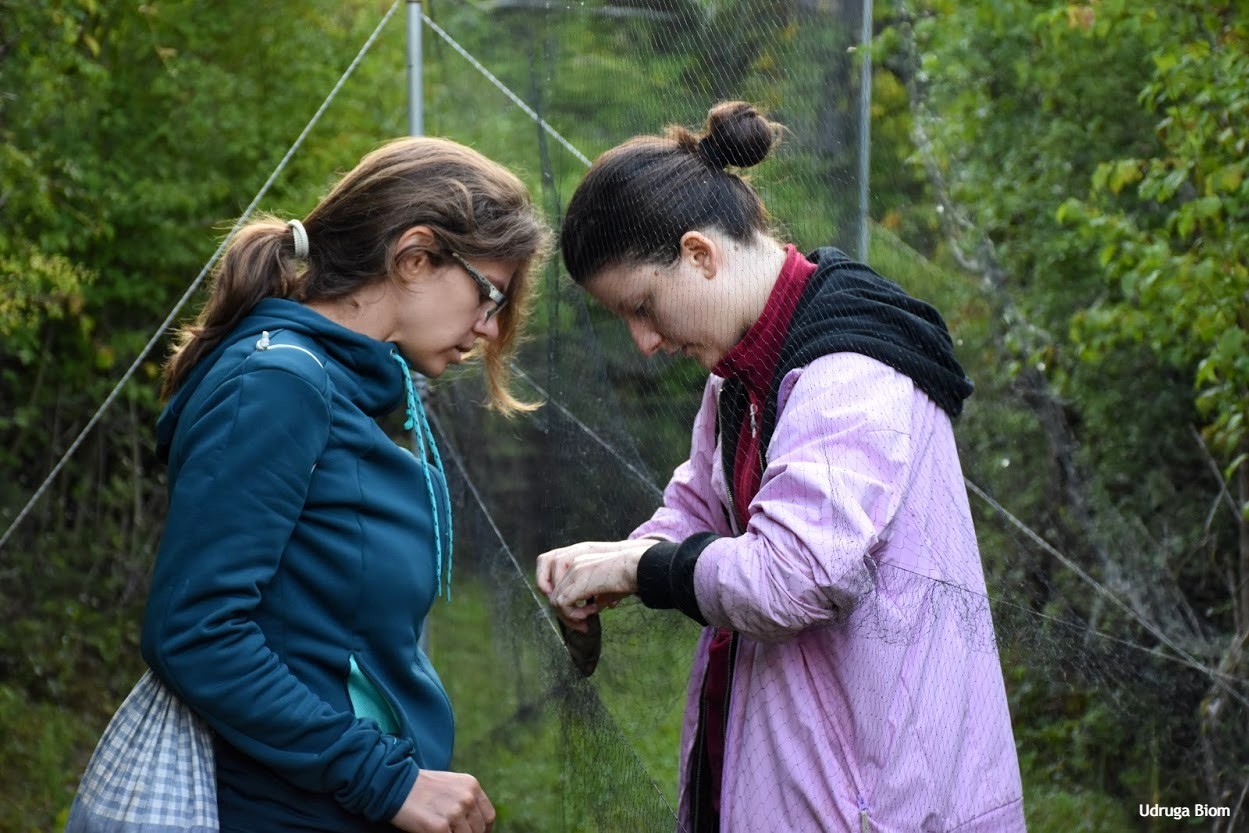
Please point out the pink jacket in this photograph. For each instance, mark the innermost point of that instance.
(867, 691)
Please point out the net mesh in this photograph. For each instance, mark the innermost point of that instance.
(559, 751)
(1108, 679)
(592, 462)
(1077, 654)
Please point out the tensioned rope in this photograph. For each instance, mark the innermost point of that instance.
(498, 533)
(1077, 626)
(517, 100)
(195, 284)
(523, 575)
(641, 476)
(1036, 538)
(976, 490)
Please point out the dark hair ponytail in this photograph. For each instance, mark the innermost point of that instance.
(640, 197)
(259, 263)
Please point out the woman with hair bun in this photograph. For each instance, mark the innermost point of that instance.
(847, 677)
(303, 548)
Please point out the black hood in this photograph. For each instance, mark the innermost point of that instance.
(846, 307)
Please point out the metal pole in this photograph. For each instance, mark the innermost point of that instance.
(865, 123)
(416, 104)
(416, 127)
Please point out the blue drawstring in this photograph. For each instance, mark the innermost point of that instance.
(418, 423)
(429, 432)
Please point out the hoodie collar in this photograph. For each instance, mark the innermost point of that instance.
(377, 378)
(373, 381)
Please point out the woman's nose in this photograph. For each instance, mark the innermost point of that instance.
(647, 340)
(487, 328)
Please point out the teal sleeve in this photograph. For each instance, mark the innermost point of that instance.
(243, 472)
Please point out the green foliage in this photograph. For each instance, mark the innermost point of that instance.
(1172, 248)
(1099, 146)
(41, 288)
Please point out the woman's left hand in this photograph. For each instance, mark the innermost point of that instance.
(582, 579)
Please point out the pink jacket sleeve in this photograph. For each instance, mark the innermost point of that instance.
(838, 464)
(690, 505)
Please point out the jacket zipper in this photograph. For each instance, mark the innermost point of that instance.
(264, 343)
(696, 793)
(371, 690)
(726, 473)
(696, 796)
(724, 716)
(728, 478)
(754, 434)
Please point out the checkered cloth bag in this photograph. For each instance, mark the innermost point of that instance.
(152, 771)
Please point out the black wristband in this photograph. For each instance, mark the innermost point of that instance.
(666, 575)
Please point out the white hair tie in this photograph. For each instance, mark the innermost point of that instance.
(301, 238)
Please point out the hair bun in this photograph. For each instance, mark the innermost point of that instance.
(737, 135)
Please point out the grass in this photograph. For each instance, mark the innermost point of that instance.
(43, 750)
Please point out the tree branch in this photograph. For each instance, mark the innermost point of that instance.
(1214, 469)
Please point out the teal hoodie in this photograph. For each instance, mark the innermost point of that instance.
(298, 563)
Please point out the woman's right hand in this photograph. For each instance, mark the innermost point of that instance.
(445, 802)
(583, 579)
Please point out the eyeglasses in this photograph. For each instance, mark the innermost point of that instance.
(488, 290)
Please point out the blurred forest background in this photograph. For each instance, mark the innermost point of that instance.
(1067, 181)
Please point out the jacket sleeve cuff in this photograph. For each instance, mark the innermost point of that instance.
(397, 795)
(666, 575)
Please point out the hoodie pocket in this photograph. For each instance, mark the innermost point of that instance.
(368, 701)
(421, 665)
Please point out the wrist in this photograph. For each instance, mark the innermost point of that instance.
(634, 560)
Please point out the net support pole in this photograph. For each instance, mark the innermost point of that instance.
(416, 127)
(416, 104)
(865, 124)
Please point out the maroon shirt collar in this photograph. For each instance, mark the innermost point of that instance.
(754, 358)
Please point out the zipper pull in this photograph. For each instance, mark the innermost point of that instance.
(754, 426)
(263, 343)
(865, 823)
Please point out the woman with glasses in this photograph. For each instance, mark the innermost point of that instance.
(303, 548)
(847, 677)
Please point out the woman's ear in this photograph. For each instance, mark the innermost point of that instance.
(700, 253)
(412, 250)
